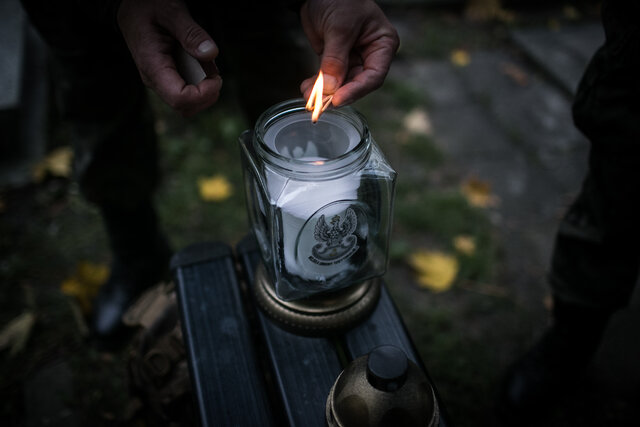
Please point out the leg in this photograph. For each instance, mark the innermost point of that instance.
(101, 99)
(596, 257)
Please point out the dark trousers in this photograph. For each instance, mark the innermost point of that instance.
(101, 97)
(597, 251)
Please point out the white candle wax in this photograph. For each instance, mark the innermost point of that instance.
(320, 248)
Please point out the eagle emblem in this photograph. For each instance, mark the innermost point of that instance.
(336, 240)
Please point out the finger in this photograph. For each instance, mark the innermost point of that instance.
(193, 38)
(334, 62)
(205, 94)
(181, 96)
(210, 68)
(307, 86)
(355, 66)
(376, 61)
(354, 71)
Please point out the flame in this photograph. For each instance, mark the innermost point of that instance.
(316, 102)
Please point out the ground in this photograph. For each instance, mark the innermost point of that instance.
(487, 158)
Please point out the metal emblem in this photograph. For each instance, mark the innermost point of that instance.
(337, 241)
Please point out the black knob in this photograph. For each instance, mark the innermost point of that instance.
(387, 367)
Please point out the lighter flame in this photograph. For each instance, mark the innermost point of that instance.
(316, 102)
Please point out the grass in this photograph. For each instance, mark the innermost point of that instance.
(48, 227)
(206, 147)
(64, 227)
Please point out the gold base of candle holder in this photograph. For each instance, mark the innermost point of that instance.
(323, 314)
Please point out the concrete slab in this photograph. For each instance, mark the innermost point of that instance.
(11, 53)
(476, 132)
(531, 112)
(47, 397)
(564, 53)
(25, 104)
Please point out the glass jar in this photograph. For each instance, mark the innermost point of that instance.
(320, 198)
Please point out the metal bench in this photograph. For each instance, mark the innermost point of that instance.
(245, 370)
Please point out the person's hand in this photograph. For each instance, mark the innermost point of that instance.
(153, 31)
(356, 43)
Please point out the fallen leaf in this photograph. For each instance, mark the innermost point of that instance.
(418, 122)
(85, 283)
(215, 188)
(516, 73)
(160, 126)
(16, 333)
(571, 13)
(460, 58)
(78, 317)
(57, 163)
(553, 24)
(487, 10)
(487, 289)
(465, 244)
(478, 193)
(436, 270)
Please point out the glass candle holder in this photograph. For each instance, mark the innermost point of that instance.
(320, 198)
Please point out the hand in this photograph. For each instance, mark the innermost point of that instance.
(356, 43)
(153, 31)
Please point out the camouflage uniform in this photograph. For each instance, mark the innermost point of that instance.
(100, 94)
(597, 255)
(101, 98)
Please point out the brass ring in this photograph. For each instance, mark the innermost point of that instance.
(324, 314)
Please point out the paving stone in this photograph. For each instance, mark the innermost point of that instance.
(519, 136)
(11, 53)
(533, 113)
(24, 96)
(564, 53)
(419, 2)
(422, 73)
(48, 395)
(475, 139)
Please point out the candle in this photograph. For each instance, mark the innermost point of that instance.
(319, 217)
(319, 197)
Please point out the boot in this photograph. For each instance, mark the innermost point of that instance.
(140, 260)
(554, 365)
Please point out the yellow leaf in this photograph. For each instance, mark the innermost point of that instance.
(57, 163)
(418, 122)
(16, 333)
(478, 193)
(160, 126)
(571, 13)
(436, 270)
(215, 188)
(516, 73)
(460, 58)
(465, 244)
(487, 10)
(553, 24)
(85, 283)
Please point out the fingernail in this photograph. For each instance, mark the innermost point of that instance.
(206, 47)
(330, 84)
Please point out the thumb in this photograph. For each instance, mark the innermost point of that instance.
(193, 38)
(334, 63)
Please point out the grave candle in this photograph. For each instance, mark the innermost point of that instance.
(311, 145)
(319, 197)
